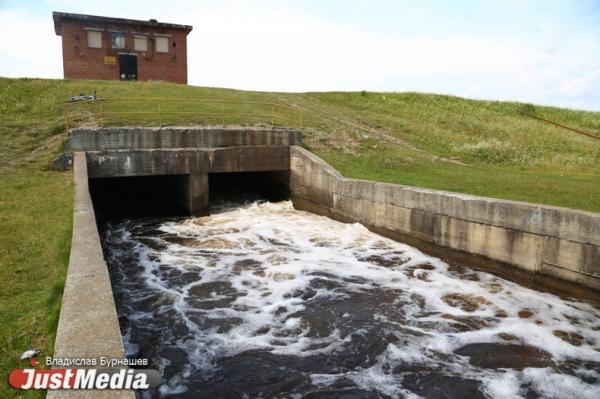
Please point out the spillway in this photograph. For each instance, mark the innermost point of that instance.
(259, 300)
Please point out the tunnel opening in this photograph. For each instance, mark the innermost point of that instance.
(248, 186)
(119, 197)
(140, 196)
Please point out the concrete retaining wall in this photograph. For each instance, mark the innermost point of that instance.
(120, 163)
(88, 326)
(560, 243)
(96, 139)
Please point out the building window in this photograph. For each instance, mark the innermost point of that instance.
(117, 40)
(162, 45)
(94, 39)
(140, 44)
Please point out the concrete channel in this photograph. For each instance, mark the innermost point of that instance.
(524, 242)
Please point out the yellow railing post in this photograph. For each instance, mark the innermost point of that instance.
(261, 110)
(66, 116)
(159, 116)
(101, 115)
(272, 116)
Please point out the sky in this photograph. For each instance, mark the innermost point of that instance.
(542, 52)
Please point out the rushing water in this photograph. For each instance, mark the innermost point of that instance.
(261, 300)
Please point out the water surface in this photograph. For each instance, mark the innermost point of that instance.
(261, 300)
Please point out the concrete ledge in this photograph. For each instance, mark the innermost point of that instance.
(97, 139)
(121, 163)
(556, 242)
(88, 326)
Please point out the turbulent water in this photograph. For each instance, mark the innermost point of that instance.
(261, 300)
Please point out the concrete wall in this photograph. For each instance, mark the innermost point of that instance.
(193, 152)
(507, 236)
(88, 326)
(91, 139)
(185, 161)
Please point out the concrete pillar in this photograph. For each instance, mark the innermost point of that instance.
(195, 195)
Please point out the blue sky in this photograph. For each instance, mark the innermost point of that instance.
(545, 52)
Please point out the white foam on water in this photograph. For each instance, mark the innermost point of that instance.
(553, 385)
(503, 385)
(255, 262)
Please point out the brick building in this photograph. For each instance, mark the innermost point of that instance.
(115, 48)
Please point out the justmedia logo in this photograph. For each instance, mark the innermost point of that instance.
(80, 378)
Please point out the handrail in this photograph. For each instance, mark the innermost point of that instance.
(101, 115)
(559, 125)
(196, 100)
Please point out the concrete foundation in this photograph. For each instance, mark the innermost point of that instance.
(515, 239)
(196, 194)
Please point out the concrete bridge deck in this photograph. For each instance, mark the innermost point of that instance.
(191, 153)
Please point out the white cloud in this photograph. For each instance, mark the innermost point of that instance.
(29, 46)
(278, 46)
(577, 86)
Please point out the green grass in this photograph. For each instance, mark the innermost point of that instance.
(433, 141)
(35, 232)
(485, 180)
(36, 208)
(476, 147)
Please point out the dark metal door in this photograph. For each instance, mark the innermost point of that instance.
(128, 67)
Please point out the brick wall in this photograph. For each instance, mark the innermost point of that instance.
(82, 62)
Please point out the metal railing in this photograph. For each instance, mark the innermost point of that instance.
(539, 118)
(170, 111)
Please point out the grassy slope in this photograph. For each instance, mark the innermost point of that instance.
(35, 227)
(442, 142)
(35, 233)
(505, 155)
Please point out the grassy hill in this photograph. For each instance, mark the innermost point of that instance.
(442, 142)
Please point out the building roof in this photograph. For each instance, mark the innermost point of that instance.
(152, 23)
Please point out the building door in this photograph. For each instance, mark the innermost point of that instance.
(128, 67)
